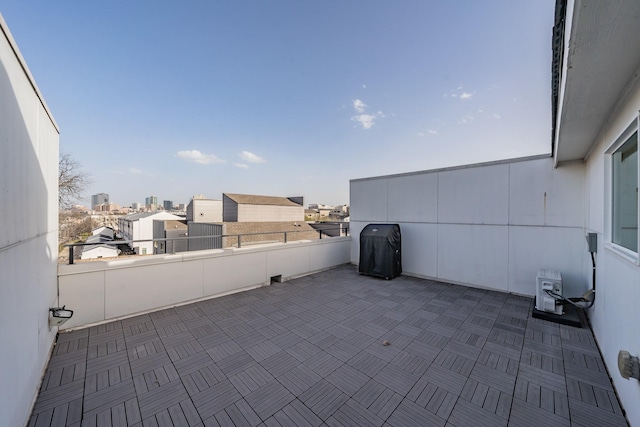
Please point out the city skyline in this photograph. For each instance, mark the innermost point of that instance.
(287, 98)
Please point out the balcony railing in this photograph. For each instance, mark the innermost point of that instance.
(224, 238)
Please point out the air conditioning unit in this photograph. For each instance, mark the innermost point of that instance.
(548, 281)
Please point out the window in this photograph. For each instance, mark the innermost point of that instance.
(624, 192)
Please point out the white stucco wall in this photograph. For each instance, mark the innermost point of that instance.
(492, 225)
(103, 290)
(615, 315)
(28, 234)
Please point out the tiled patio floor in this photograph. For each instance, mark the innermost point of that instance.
(310, 352)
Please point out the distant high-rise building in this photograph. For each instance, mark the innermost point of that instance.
(135, 206)
(99, 199)
(168, 205)
(151, 202)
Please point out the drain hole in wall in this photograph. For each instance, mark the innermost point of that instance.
(276, 279)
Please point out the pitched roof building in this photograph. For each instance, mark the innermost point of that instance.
(252, 208)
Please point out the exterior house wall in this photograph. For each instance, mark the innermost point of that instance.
(269, 213)
(204, 210)
(145, 231)
(615, 312)
(491, 225)
(28, 240)
(141, 228)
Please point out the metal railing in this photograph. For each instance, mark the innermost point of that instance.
(342, 231)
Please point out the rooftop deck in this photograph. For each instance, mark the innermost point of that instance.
(310, 352)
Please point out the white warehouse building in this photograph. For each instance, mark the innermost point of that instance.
(139, 226)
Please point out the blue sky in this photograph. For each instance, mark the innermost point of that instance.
(285, 98)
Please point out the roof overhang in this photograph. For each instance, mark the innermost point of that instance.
(600, 60)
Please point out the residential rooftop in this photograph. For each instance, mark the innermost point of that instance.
(311, 351)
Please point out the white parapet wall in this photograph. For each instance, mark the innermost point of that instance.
(490, 225)
(102, 290)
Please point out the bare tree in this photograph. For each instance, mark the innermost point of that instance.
(72, 180)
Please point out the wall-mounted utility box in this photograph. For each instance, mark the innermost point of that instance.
(548, 281)
(592, 242)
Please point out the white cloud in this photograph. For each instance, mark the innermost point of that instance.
(364, 86)
(196, 156)
(135, 171)
(241, 165)
(433, 132)
(359, 106)
(248, 156)
(465, 95)
(420, 133)
(116, 171)
(368, 120)
(496, 116)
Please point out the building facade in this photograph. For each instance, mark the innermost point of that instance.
(99, 199)
(139, 226)
(204, 210)
(251, 208)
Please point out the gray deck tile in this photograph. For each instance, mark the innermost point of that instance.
(347, 379)
(263, 350)
(468, 414)
(323, 363)
(588, 376)
(445, 378)
(299, 379)
(589, 415)
(385, 404)
(279, 363)
(269, 399)
(543, 378)
(493, 378)
(323, 398)
(409, 414)
(214, 399)
(408, 362)
(297, 414)
(303, 350)
(251, 379)
(523, 413)
(286, 340)
(396, 379)
(249, 340)
(369, 393)
(236, 363)
(223, 350)
(354, 414)
(49, 399)
(272, 330)
(342, 350)
(108, 397)
(311, 351)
